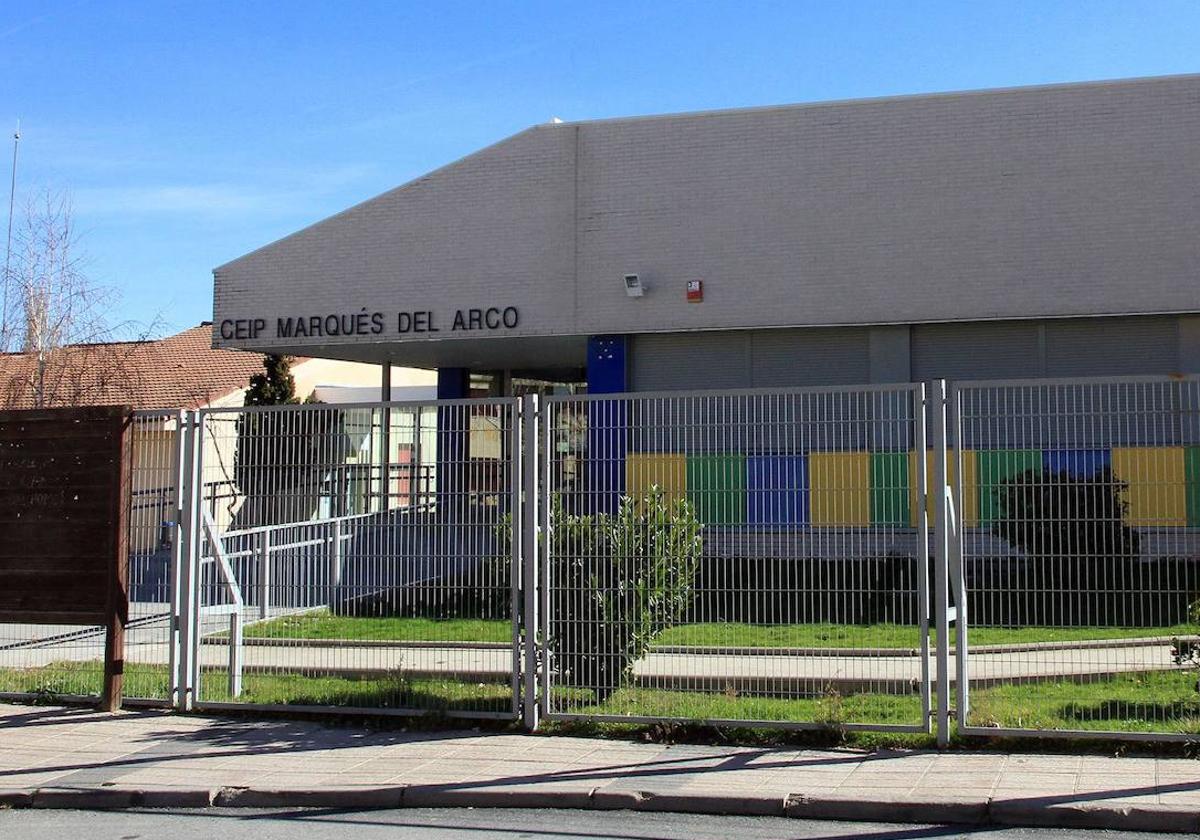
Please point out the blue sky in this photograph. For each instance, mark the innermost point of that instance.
(191, 133)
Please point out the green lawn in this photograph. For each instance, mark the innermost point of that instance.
(324, 625)
(691, 706)
(145, 681)
(1159, 701)
(387, 692)
(1151, 702)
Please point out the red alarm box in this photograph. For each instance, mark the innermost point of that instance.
(695, 291)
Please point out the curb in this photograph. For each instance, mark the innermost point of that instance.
(16, 798)
(114, 798)
(1159, 818)
(966, 811)
(448, 796)
(640, 800)
(331, 797)
(957, 812)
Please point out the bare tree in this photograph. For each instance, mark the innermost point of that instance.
(64, 347)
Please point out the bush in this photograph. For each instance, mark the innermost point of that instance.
(1084, 560)
(1061, 518)
(617, 580)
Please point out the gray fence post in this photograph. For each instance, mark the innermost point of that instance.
(542, 570)
(175, 570)
(264, 574)
(335, 557)
(415, 469)
(941, 551)
(516, 567)
(185, 559)
(958, 581)
(531, 504)
(921, 446)
(235, 654)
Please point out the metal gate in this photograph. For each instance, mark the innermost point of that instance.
(1078, 556)
(355, 556)
(755, 557)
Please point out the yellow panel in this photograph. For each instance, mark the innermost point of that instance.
(970, 488)
(668, 471)
(1157, 493)
(840, 488)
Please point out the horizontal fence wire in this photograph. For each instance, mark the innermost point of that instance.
(1080, 506)
(748, 557)
(65, 661)
(359, 557)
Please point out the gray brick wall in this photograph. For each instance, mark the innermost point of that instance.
(1057, 201)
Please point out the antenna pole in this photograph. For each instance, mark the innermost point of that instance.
(12, 193)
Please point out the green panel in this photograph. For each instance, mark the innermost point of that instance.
(996, 465)
(716, 485)
(889, 488)
(1191, 466)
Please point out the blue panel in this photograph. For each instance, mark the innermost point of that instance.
(606, 364)
(453, 443)
(453, 383)
(607, 423)
(1078, 463)
(777, 490)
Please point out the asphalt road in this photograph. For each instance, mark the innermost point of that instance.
(469, 823)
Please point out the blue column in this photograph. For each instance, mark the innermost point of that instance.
(607, 423)
(453, 442)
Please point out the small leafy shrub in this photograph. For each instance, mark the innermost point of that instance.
(617, 580)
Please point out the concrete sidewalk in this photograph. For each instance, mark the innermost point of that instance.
(67, 758)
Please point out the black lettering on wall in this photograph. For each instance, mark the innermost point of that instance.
(365, 322)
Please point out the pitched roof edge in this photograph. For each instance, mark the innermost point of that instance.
(353, 207)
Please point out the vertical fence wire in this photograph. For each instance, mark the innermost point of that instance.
(1081, 553)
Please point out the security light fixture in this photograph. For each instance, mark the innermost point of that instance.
(633, 286)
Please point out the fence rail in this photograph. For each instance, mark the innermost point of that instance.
(1016, 557)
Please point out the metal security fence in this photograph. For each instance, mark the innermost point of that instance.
(787, 558)
(751, 557)
(67, 662)
(1079, 556)
(358, 556)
